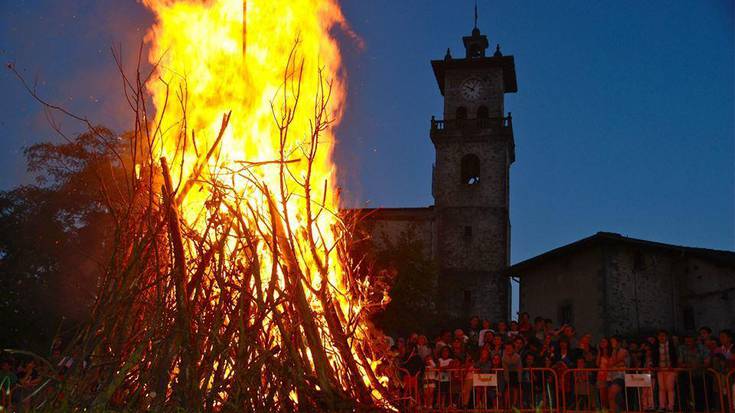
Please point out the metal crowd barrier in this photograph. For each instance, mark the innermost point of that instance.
(730, 383)
(570, 390)
(640, 390)
(471, 390)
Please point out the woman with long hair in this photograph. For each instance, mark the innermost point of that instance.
(602, 363)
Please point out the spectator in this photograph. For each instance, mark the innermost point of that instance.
(454, 357)
(444, 339)
(539, 328)
(514, 329)
(474, 331)
(704, 335)
(603, 363)
(519, 345)
(458, 351)
(570, 334)
(619, 361)
(582, 387)
(726, 348)
(483, 333)
(431, 378)
(422, 347)
(565, 355)
(502, 329)
(647, 401)
(524, 323)
(487, 338)
(692, 357)
(665, 359)
(412, 366)
(547, 348)
(497, 346)
(483, 365)
(531, 382)
(445, 363)
(512, 372)
(459, 335)
(497, 393)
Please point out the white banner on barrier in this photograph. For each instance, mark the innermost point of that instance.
(638, 380)
(485, 380)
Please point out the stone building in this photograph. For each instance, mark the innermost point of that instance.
(467, 230)
(610, 284)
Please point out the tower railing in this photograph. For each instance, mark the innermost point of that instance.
(477, 123)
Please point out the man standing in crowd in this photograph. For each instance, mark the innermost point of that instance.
(665, 357)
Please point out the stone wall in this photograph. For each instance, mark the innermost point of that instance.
(492, 188)
(642, 290)
(390, 223)
(632, 288)
(708, 295)
(574, 282)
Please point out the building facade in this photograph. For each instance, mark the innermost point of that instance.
(610, 284)
(467, 230)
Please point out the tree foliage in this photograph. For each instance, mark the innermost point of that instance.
(53, 237)
(414, 280)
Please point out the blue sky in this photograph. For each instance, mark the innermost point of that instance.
(624, 118)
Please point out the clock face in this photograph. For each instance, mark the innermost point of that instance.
(471, 89)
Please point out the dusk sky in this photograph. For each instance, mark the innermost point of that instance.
(623, 120)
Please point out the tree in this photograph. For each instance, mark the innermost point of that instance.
(413, 293)
(53, 237)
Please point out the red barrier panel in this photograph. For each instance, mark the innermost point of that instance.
(730, 391)
(641, 390)
(472, 390)
(571, 390)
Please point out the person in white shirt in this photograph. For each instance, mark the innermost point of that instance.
(483, 332)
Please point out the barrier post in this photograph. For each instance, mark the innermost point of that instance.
(730, 383)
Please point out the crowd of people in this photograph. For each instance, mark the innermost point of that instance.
(531, 365)
(534, 364)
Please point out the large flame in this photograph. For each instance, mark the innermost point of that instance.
(211, 63)
(206, 52)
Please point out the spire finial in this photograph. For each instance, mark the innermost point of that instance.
(475, 14)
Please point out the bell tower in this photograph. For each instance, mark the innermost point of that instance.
(470, 183)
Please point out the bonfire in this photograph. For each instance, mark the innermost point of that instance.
(232, 285)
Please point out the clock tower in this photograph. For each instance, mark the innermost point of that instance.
(474, 150)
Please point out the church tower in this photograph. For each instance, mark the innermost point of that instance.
(470, 184)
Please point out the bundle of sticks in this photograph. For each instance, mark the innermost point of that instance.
(248, 307)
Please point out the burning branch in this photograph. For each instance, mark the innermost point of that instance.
(231, 289)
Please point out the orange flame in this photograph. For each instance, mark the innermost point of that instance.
(210, 67)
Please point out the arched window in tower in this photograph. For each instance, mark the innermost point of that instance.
(470, 170)
(482, 112)
(461, 113)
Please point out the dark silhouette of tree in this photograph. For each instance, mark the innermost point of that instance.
(53, 238)
(413, 291)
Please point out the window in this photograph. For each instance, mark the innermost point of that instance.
(470, 170)
(467, 232)
(461, 113)
(475, 51)
(482, 112)
(566, 313)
